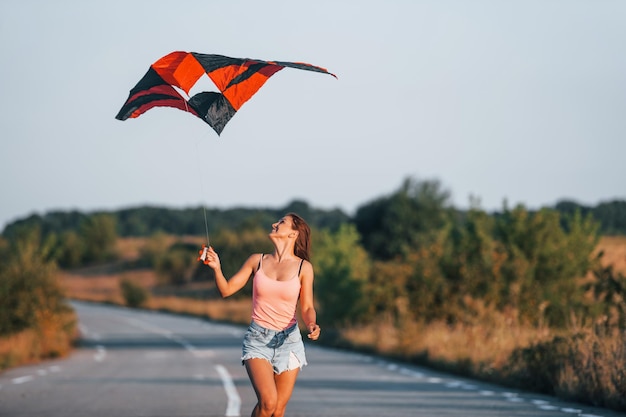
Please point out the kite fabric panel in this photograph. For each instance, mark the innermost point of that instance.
(237, 79)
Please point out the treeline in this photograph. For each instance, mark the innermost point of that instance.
(610, 215)
(147, 220)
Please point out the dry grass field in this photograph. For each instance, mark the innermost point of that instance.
(614, 249)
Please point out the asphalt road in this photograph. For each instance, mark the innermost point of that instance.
(137, 363)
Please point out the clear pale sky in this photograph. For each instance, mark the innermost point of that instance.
(515, 100)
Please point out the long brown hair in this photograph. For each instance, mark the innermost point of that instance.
(303, 243)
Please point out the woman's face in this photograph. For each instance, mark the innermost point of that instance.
(283, 227)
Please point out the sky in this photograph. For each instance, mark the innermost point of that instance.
(516, 101)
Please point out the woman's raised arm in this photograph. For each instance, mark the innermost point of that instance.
(228, 287)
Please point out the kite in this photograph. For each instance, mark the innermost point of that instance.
(237, 79)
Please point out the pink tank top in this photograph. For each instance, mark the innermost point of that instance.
(274, 302)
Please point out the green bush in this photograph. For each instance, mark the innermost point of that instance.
(176, 266)
(28, 289)
(134, 295)
(341, 272)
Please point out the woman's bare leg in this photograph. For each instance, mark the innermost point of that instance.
(285, 382)
(261, 375)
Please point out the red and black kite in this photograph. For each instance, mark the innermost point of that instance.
(238, 80)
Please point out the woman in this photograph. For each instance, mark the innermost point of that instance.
(273, 352)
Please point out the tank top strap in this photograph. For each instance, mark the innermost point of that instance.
(260, 260)
(300, 269)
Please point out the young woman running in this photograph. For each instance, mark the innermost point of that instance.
(273, 352)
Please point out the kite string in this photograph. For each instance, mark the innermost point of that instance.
(206, 223)
(206, 226)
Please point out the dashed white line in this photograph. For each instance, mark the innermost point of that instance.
(100, 354)
(508, 396)
(22, 379)
(571, 410)
(512, 397)
(408, 372)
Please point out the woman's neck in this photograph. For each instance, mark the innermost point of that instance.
(284, 251)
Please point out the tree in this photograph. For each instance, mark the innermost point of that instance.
(472, 258)
(99, 236)
(544, 260)
(341, 272)
(396, 225)
(29, 291)
(70, 249)
(176, 266)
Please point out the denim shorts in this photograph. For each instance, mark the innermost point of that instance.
(284, 350)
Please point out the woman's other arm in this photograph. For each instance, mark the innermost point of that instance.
(307, 303)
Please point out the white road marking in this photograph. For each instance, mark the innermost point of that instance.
(54, 368)
(100, 354)
(22, 379)
(408, 372)
(512, 397)
(234, 400)
(509, 396)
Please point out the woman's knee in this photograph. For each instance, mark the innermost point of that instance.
(268, 403)
(279, 411)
